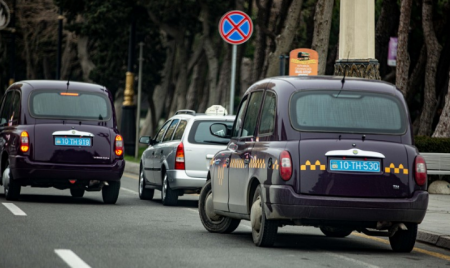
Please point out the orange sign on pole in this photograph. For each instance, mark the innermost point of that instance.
(303, 61)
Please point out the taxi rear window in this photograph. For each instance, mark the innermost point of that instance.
(70, 105)
(348, 112)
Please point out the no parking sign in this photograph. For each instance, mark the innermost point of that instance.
(235, 27)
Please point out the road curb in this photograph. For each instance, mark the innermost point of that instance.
(442, 241)
(131, 167)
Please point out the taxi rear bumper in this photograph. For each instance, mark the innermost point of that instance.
(282, 203)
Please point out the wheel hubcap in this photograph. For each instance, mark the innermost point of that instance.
(256, 215)
(164, 188)
(209, 209)
(141, 183)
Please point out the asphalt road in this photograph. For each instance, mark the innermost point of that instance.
(49, 228)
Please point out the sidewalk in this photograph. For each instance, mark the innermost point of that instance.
(435, 228)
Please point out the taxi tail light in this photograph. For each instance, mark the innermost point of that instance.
(24, 142)
(286, 165)
(420, 170)
(118, 145)
(179, 157)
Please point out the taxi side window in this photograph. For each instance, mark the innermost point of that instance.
(14, 117)
(251, 116)
(6, 109)
(239, 118)
(161, 132)
(267, 124)
(180, 130)
(170, 131)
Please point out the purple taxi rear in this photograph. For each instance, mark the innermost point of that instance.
(330, 152)
(60, 134)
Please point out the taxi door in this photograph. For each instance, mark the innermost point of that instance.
(242, 154)
(224, 163)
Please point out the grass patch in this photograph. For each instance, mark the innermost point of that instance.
(131, 157)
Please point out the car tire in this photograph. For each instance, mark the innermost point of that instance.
(169, 197)
(77, 192)
(110, 193)
(212, 222)
(335, 232)
(404, 240)
(11, 186)
(264, 231)
(144, 194)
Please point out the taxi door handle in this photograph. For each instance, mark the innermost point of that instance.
(227, 162)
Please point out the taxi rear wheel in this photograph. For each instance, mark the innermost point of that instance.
(11, 187)
(404, 240)
(169, 197)
(264, 231)
(335, 232)
(77, 192)
(144, 194)
(211, 221)
(110, 193)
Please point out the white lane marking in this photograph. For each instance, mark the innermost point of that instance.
(128, 190)
(364, 264)
(192, 210)
(71, 258)
(246, 226)
(14, 209)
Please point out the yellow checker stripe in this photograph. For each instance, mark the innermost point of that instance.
(396, 170)
(317, 164)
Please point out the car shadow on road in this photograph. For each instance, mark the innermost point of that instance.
(56, 199)
(180, 203)
(311, 242)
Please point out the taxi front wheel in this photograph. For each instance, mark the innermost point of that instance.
(211, 221)
(404, 240)
(11, 186)
(264, 231)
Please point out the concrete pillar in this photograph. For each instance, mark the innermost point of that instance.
(357, 40)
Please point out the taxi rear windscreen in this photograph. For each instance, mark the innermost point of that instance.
(76, 105)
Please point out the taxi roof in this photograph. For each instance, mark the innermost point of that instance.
(57, 84)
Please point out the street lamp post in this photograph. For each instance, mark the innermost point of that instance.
(128, 127)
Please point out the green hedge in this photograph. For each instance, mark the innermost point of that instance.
(432, 145)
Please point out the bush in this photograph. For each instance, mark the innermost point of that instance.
(432, 145)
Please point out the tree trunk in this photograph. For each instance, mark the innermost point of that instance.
(321, 35)
(433, 53)
(443, 127)
(402, 70)
(284, 40)
(261, 33)
(197, 84)
(83, 55)
(387, 26)
(224, 84)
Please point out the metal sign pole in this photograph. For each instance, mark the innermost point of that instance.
(138, 110)
(233, 78)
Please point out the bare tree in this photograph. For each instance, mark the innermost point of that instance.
(321, 35)
(443, 127)
(433, 53)
(403, 61)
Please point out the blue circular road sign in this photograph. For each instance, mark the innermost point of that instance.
(235, 27)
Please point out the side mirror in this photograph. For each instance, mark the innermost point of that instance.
(145, 140)
(219, 130)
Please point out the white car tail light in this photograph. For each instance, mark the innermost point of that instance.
(179, 157)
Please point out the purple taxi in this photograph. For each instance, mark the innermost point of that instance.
(328, 152)
(60, 134)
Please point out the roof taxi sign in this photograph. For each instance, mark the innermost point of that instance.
(235, 27)
(4, 15)
(303, 61)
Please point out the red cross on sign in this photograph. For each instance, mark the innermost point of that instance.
(235, 27)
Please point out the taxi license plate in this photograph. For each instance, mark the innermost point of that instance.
(68, 141)
(354, 165)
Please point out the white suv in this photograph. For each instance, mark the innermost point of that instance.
(177, 160)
